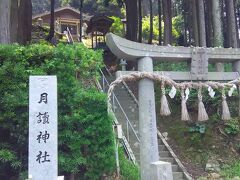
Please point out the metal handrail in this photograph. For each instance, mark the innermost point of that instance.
(125, 142)
(114, 97)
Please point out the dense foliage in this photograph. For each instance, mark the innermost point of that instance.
(85, 130)
(231, 171)
(117, 26)
(176, 29)
(92, 7)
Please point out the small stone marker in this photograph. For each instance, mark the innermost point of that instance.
(43, 135)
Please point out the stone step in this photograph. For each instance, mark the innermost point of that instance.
(137, 156)
(178, 176)
(111, 79)
(164, 154)
(175, 168)
(160, 142)
(127, 105)
(133, 120)
(121, 91)
(162, 147)
(167, 159)
(129, 110)
(123, 95)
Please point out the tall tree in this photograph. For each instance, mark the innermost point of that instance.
(217, 30)
(140, 21)
(195, 22)
(132, 16)
(217, 24)
(51, 32)
(151, 23)
(224, 23)
(231, 23)
(159, 22)
(24, 21)
(14, 21)
(4, 21)
(201, 23)
(81, 19)
(167, 18)
(208, 22)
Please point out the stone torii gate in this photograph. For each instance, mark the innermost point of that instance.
(144, 54)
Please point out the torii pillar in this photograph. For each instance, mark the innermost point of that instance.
(147, 120)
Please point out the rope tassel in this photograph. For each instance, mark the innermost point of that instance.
(164, 110)
(202, 114)
(225, 110)
(185, 116)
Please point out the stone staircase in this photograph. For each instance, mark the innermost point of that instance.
(130, 108)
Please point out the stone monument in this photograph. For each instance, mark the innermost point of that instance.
(43, 136)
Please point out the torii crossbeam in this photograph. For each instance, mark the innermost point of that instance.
(144, 54)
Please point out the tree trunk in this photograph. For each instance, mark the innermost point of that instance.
(72, 177)
(217, 30)
(81, 20)
(140, 21)
(167, 17)
(231, 23)
(224, 23)
(151, 23)
(195, 23)
(5, 21)
(159, 22)
(51, 32)
(28, 20)
(236, 22)
(185, 14)
(209, 26)
(24, 21)
(201, 24)
(217, 24)
(238, 12)
(14, 21)
(237, 19)
(132, 16)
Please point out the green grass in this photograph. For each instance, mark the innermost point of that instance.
(128, 170)
(232, 170)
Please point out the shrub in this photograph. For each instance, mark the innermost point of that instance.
(85, 130)
(232, 127)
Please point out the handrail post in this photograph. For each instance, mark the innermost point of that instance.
(113, 103)
(103, 83)
(127, 131)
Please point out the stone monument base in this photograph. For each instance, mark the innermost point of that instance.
(161, 170)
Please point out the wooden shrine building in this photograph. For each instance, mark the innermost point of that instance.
(65, 17)
(98, 27)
